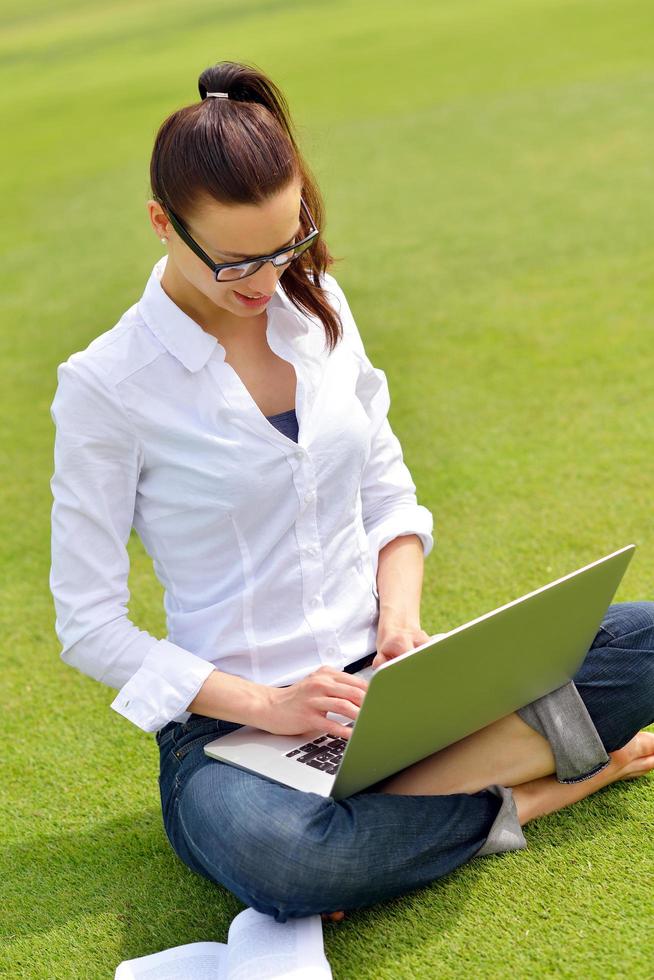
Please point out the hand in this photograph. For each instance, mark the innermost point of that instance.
(395, 637)
(303, 706)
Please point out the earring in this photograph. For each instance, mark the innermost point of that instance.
(164, 240)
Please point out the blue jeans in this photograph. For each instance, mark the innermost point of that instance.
(289, 853)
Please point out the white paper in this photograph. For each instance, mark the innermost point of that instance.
(268, 950)
(193, 961)
(257, 947)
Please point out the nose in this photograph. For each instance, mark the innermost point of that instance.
(264, 279)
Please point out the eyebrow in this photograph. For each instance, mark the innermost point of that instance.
(239, 255)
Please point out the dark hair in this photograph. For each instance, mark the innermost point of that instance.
(241, 150)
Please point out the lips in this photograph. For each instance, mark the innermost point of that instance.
(252, 302)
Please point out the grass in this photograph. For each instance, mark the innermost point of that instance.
(487, 168)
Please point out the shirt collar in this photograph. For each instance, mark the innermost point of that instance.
(183, 337)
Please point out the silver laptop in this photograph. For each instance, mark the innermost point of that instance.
(437, 693)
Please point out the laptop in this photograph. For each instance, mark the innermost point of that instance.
(453, 684)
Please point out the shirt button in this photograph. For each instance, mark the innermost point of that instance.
(309, 496)
(330, 650)
(312, 551)
(315, 601)
(298, 455)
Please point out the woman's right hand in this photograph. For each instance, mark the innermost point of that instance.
(302, 707)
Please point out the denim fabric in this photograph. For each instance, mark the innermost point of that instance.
(563, 719)
(289, 853)
(505, 833)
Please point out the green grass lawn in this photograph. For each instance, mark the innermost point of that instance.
(487, 170)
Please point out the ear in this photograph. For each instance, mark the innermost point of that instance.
(158, 219)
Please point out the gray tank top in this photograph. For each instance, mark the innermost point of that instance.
(286, 422)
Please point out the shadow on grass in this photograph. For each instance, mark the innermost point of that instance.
(125, 869)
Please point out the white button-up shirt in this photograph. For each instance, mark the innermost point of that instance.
(266, 548)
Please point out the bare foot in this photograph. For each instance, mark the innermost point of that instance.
(541, 796)
(633, 759)
(332, 916)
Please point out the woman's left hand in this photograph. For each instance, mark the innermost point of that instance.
(395, 637)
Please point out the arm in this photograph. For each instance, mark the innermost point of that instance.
(399, 530)
(232, 698)
(97, 461)
(399, 581)
(399, 578)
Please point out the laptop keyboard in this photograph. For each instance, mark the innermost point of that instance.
(324, 752)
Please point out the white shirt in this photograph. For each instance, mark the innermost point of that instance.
(266, 549)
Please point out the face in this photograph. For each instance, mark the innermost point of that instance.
(228, 233)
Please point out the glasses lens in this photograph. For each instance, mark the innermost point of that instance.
(248, 268)
(292, 253)
(238, 271)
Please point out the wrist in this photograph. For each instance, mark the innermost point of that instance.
(231, 698)
(264, 699)
(399, 615)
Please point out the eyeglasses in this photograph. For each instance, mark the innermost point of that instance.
(229, 271)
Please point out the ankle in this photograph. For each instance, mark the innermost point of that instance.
(524, 799)
(541, 796)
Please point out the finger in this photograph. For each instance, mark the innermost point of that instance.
(344, 676)
(348, 682)
(351, 692)
(338, 705)
(332, 728)
(353, 681)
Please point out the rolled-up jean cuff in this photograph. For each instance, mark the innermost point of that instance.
(563, 719)
(505, 833)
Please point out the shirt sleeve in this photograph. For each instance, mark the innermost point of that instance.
(97, 461)
(388, 494)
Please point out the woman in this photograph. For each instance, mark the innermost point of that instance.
(241, 429)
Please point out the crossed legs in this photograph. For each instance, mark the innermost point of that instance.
(616, 684)
(512, 754)
(288, 853)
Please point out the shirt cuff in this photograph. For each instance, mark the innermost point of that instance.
(410, 520)
(163, 686)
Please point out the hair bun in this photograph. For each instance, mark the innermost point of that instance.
(240, 82)
(204, 90)
(223, 77)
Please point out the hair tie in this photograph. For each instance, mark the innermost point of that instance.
(218, 95)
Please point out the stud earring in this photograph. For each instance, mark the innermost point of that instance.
(164, 240)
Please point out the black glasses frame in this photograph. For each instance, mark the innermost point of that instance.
(258, 261)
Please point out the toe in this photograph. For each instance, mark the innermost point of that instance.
(333, 916)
